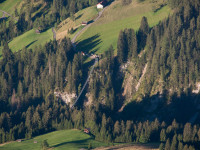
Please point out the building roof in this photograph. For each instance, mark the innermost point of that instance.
(84, 22)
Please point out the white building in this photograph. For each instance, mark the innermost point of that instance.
(101, 5)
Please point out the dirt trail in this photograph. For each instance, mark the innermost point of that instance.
(54, 33)
(140, 80)
(87, 26)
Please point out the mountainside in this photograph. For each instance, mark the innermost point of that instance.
(132, 78)
(161, 66)
(118, 16)
(59, 140)
(72, 25)
(21, 18)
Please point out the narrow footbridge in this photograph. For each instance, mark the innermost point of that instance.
(96, 59)
(86, 82)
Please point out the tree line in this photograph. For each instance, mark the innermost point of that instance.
(29, 79)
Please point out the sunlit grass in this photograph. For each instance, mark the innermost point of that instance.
(105, 31)
(58, 140)
(29, 40)
(86, 14)
(9, 5)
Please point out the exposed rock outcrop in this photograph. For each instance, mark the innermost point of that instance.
(66, 97)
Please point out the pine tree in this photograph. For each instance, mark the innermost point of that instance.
(131, 40)
(44, 145)
(163, 135)
(180, 146)
(7, 54)
(162, 146)
(167, 145)
(11, 29)
(121, 48)
(187, 132)
(175, 125)
(143, 32)
(191, 148)
(185, 147)
(174, 143)
(143, 138)
(22, 24)
(117, 128)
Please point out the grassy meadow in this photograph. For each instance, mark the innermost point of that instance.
(29, 40)
(9, 5)
(58, 140)
(86, 14)
(116, 17)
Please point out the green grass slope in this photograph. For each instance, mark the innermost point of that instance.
(58, 140)
(86, 14)
(30, 39)
(9, 5)
(116, 17)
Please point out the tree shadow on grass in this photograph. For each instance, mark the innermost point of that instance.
(3, 18)
(88, 44)
(91, 21)
(82, 143)
(78, 17)
(30, 44)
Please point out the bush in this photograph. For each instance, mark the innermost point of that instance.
(44, 145)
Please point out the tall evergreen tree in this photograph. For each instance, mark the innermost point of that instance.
(143, 32)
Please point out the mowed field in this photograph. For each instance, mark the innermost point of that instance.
(58, 140)
(29, 40)
(116, 17)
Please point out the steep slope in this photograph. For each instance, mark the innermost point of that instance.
(30, 39)
(116, 18)
(10, 5)
(59, 140)
(87, 14)
(170, 87)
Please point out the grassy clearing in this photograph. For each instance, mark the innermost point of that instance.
(9, 5)
(58, 140)
(29, 40)
(86, 14)
(116, 17)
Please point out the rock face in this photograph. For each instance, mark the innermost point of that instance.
(141, 78)
(132, 79)
(66, 97)
(197, 90)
